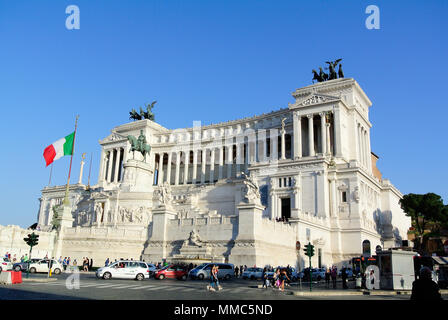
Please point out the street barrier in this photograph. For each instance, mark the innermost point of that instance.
(5, 277)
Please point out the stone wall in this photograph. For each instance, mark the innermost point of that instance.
(11, 241)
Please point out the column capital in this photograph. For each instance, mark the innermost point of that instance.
(310, 116)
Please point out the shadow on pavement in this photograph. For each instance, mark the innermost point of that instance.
(17, 294)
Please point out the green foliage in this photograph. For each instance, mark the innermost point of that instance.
(428, 213)
(54, 221)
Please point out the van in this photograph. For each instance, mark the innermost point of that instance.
(225, 271)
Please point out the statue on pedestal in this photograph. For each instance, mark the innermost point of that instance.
(164, 195)
(251, 191)
(194, 240)
(139, 144)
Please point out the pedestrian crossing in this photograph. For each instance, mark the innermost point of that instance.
(141, 286)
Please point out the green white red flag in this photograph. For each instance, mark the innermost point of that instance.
(62, 147)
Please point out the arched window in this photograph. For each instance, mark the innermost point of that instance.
(366, 248)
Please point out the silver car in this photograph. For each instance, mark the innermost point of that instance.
(225, 271)
(125, 269)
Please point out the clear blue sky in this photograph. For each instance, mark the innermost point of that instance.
(212, 61)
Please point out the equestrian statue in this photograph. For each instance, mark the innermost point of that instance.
(139, 144)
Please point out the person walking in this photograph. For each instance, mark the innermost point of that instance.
(236, 272)
(265, 279)
(424, 288)
(334, 274)
(283, 278)
(64, 263)
(344, 278)
(85, 264)
(327, 277)
(107, 262)
(213, 274)
(90, 264)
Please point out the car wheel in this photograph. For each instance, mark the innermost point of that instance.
(1, 269)
(252, 278)
(227, 277)
(107, 275)
(161, 277)
(33, 270)
(201, 277)
(57, 271)
(319, 278)
(184, 277)
(140, 277)
(17, 269)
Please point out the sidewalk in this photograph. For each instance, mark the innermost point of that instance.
(322, 292)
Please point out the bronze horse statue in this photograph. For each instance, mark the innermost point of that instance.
(139, 145)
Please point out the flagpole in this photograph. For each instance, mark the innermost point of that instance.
(90, 170)
(51, 171)
(66, 201)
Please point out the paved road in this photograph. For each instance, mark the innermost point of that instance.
(92, 288)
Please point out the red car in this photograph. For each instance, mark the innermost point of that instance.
(172, 272)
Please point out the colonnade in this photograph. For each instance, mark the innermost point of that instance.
(112, 165)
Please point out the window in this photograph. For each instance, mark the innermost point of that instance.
(344, 196)
(143, 265)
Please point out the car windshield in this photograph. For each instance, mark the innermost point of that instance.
(202, 265)
(166, 267)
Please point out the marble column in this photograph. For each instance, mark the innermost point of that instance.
(168, 167)
(369, 157)
(101, 170)
(203, 164)
(361, 143)
(328, 151)
(117, 165)
(176, 177)
(297, 140)
(221, 162)
(337, 133)
(229, 160)
(310, 135)
(273, 136)
(283, 146)
(186, 163)
(323, 133)
(160, 173)
(239, 159)
(212, 165)
(109, 169)
(195, 166)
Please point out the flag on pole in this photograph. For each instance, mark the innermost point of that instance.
(62, 147)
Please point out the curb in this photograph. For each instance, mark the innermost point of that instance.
(43, 280)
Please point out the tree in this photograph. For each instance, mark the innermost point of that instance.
(55, 222)
(429, 215)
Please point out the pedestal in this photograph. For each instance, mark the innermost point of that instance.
(249, 230)
(65, 216)
(137, 177)
(156, 248)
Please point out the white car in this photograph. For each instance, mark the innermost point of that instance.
(5, 264)
(43, 266)
(126, 269)
(252, 273)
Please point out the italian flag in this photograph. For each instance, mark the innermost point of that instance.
(62, 147)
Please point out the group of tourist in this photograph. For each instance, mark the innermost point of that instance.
(279, 279)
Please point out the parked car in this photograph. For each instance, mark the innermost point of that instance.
(317, 274)
(152, 269)
(225, 271)
(172, 271)
(252, 273)
(5, 264)
(43, 266)
(293, 275)
(126, 269)
(23, 266)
